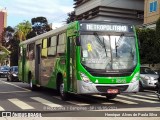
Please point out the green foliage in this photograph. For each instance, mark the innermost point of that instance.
(158, 37)
(39, 26)
(14, 45)
(10, 45)
(22, 29)
(158, 32)
(7, 34)
(5, 51)
(149, 49)
(71, 17)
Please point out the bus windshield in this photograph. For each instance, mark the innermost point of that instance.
(109, 52)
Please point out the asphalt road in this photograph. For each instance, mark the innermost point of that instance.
(16, 96)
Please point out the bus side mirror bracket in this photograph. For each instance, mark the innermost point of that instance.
(78, 43)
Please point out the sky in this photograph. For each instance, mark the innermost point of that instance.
(54, 10)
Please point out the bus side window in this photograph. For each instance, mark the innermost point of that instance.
(49, 42)
(61, 44)
(44, 48)
(52, 50)
(31, 51)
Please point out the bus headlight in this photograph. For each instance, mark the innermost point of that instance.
(136, 77)
(84, 77)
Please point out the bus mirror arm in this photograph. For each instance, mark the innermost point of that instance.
(78, 43)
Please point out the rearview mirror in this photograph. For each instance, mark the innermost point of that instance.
(78, 43)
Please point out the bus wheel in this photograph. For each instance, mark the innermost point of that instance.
(63, 94)
(110, 97)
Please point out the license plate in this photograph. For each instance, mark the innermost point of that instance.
(112, 91)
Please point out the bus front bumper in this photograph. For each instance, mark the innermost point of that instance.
(91, 88)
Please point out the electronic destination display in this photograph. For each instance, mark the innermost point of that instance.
(106, 27)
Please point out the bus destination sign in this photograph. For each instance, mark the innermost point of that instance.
(106, 27)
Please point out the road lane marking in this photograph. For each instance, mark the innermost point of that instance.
(117, 100)
(57, 97)
(46, 102)
(1, 109)
(73, 102)
(104, 103)
(81, 103)
(14, 92)
(77, 103)
(144, 97)
(153, 95)
(143, 100)
(20, 104)
(124, 101)
(15, 85)
(107, 103)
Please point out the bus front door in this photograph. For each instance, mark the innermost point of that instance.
(73, 83)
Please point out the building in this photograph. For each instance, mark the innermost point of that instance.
(3, 24)
(151, 13)
(126, 11)
(3, 21)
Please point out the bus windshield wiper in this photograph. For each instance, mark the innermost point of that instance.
(119, 40)
(117, 43)
(100, 42)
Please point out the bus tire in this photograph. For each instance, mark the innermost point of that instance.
(111, 96)
(63, 94)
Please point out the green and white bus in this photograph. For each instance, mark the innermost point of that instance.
(83, 57)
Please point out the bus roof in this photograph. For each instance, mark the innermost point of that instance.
(44, 35)
(63, 28)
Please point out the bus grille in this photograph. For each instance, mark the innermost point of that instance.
(104, 88)
(102, 74)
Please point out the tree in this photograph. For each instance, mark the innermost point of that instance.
(158, 32)
(7, 34)
(71, 17)
(157, 44)
(3, 53)
(13, 47)
(39, 25)
(22, 29)
(148, 46)
(11, 42)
